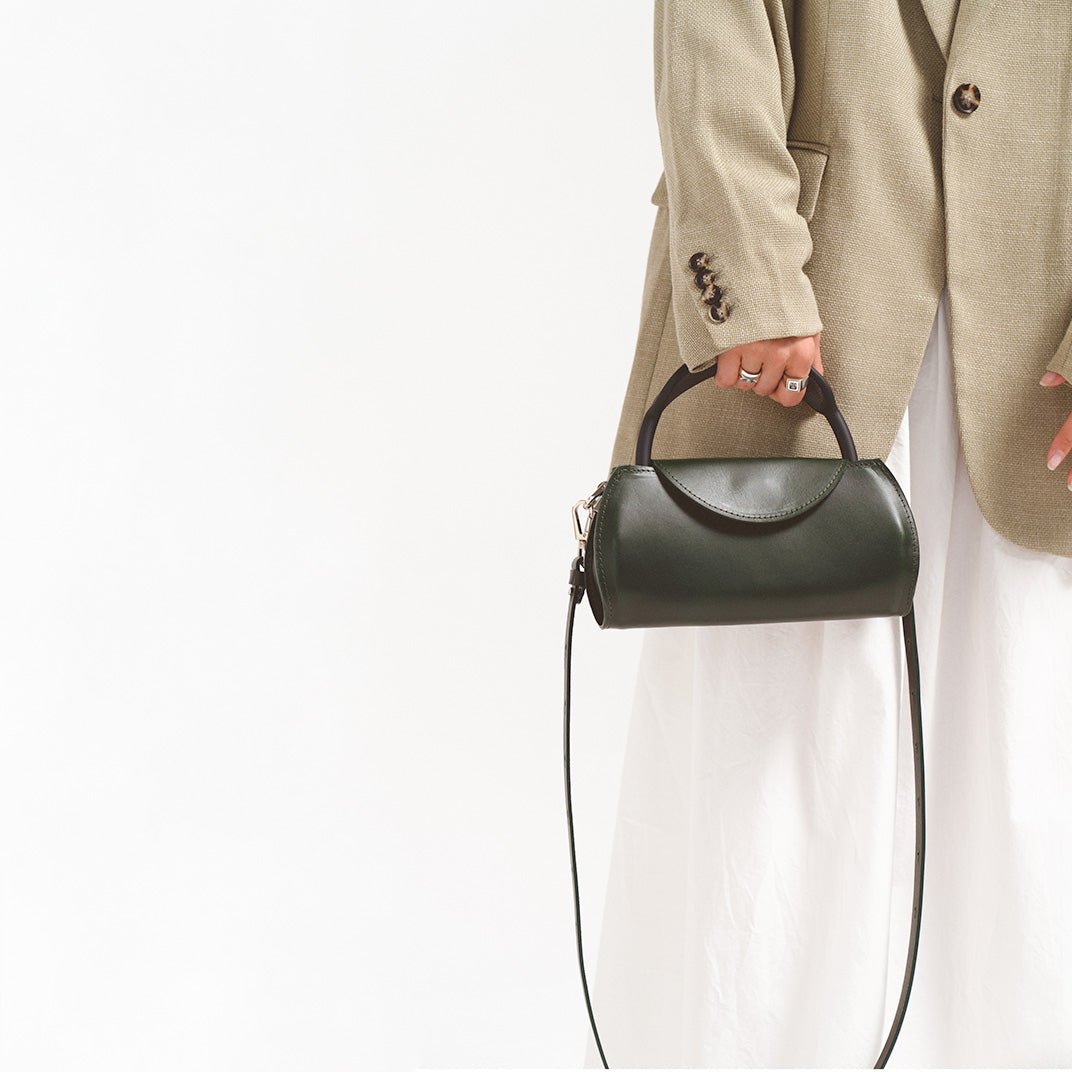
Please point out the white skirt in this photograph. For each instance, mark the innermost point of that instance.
(759, 897)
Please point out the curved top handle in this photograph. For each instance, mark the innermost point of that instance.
(818, 395)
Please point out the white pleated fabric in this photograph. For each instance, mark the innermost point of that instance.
(759, 898)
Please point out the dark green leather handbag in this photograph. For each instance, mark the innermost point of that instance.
(730, 541)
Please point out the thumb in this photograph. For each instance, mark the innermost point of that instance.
(1051, 379)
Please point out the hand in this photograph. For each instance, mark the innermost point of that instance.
(795, 357)
(1062, 442)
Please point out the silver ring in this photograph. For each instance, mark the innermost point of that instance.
(795, 385)
(749, 377)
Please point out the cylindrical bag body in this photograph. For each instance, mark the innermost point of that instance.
(734, 541)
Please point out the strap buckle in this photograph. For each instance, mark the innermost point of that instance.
(589, 506)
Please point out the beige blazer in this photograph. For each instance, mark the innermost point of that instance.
(838, 161)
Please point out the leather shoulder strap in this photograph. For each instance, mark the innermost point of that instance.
(576, 595)
(908, 622)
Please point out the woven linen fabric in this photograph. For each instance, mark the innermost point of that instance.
(814, 154)
(759, 896)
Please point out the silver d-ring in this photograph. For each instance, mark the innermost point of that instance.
(795, 385)
(749, 377)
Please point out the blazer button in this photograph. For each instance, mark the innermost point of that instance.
(966, 98)
(698, 262)
(711, 295)
(718, 313)
(705, 278)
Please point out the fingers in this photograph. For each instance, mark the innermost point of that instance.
(752, 383)
(773, 355)
(729, 368)
(1062, 442)
(771, 375)
(773, 360)
(797, 368)
(1061, 445)
(785, 396)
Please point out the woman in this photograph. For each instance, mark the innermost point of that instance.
(891, 179)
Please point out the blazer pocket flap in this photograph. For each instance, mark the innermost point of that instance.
(811, 163)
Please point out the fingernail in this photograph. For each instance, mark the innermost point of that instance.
(1054, 459)
(1049, 380)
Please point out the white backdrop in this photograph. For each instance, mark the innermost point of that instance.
(316, 319)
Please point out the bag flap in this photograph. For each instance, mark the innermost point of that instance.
(753, 489)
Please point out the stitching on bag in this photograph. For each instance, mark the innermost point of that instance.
(756, 517)
(615, 478)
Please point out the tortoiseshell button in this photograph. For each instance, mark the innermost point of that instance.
(966, 98)
(705, 278)
(711, 295)
(698, 261)
(718, 313)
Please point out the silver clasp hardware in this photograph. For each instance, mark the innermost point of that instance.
(589, 506)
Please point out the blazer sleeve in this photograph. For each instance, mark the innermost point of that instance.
(724, 86)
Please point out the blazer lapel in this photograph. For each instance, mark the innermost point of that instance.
(970, 18)
(942, 15)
